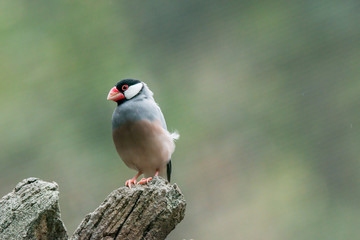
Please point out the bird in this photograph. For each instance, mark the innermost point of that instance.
(139, 131)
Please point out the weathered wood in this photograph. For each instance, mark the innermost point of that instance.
(31, 211)
(148, 211)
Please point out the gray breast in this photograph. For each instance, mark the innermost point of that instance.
(135, 110)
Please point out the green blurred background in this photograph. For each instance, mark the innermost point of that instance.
(264, 94)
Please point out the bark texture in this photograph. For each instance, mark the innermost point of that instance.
(148, 211)
(31, 211)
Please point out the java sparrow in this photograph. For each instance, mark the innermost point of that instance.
(139, 131)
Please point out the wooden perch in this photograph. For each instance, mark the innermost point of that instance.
(148, 211)
(31, 211)
(144, 212)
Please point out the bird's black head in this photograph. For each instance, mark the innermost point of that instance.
(125, 90)
(121, 85)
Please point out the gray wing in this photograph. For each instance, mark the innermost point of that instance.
(157, 114)
(148, 109)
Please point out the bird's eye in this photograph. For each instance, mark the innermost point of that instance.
(124, 87)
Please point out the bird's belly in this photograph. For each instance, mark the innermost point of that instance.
(144, 145)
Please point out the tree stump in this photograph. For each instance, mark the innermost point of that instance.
(31, 211)
(149, 211)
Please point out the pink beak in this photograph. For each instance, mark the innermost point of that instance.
(115, 95)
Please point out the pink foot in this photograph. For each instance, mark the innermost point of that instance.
(132, 181)
(129, 182)
(145, 180)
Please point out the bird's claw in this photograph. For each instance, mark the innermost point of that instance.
(145, 180)
(129, 182)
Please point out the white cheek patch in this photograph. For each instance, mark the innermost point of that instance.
(133, 90)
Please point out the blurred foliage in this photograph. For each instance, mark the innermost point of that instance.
(264, 94)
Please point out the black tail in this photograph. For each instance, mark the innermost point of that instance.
(168, 170)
